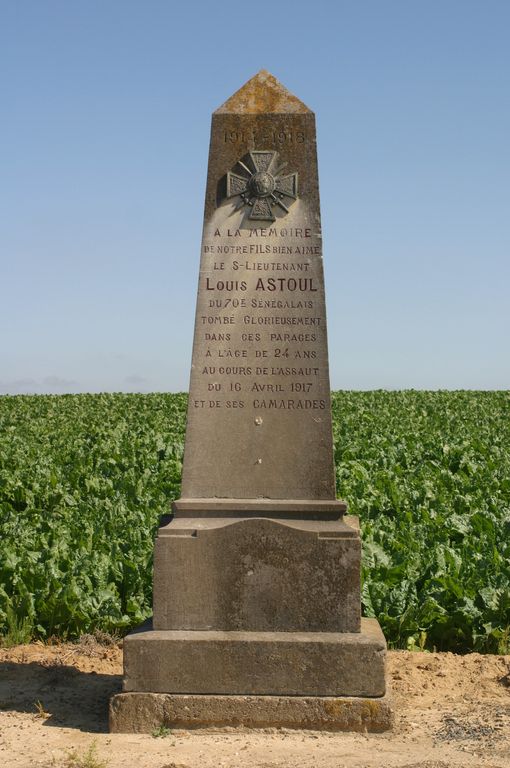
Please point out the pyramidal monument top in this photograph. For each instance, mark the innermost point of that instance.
(263, 94)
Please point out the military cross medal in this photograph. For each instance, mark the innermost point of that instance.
(264, 188)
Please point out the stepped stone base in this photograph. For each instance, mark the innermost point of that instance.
(144, 712)
(256, 663)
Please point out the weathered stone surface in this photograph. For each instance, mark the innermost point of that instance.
(294, 509)
(262, 94)
(257, 575)
(259, 417)
(262, 663)
(143, 712)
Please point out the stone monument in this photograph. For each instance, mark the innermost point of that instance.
(257, 617)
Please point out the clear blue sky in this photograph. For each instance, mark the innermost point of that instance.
(104, 127)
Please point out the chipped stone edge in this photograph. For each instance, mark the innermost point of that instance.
(137, 712)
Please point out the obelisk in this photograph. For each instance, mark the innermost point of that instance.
(257, 612)
(259, 418)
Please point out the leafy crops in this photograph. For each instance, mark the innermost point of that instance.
(429, 475)
(84, 480)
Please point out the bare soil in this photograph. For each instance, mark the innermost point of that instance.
(449, 711)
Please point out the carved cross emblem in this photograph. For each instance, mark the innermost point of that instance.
(264, 186)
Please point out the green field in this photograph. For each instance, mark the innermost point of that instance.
(85, 478)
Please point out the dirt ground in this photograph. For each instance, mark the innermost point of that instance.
(449, 711)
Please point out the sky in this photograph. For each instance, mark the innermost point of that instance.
(105, 112)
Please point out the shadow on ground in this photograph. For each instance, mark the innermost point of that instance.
(70, 698)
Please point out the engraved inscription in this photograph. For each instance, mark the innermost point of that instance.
(277, 138)
(268, 356)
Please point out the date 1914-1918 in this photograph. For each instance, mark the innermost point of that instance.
(285, 136)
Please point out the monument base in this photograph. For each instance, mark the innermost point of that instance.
(144, 712)
(256, 663)
(257, 574)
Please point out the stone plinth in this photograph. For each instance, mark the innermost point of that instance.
(144, 712)
(261, 663)
(258, 575)
(319, 680)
